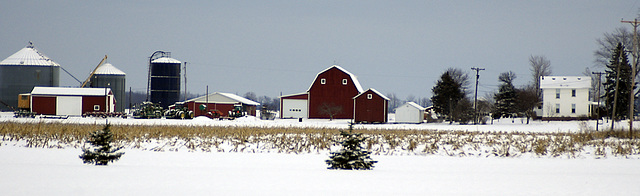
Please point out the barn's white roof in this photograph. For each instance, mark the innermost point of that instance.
(413, 104)
(70, 91)
(223, 98)
(165, 60)
(565, 82)
(109, 69)
(353, 77)
(374, 91)
(28, 56)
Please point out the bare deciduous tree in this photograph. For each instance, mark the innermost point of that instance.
(609, 42)
(461, 78)
(330, 109)
(540, 66)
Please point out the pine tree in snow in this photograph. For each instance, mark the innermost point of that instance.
(103, 150)
(506, 97)
(618, 58)
(352, 155)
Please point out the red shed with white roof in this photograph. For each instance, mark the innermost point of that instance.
(370, 106)
(71, 101)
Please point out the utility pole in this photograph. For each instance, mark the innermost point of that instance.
(475, 100)
(635, 24)
(615, 95)
(597, 97)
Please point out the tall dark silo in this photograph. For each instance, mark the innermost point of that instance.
(22, 71)
(164, 79)
(108, 76)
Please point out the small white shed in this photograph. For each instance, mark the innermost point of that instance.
(410, 112)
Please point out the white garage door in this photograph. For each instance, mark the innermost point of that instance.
(69, 105)
(294, 108)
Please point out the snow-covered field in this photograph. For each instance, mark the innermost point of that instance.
(45, 171)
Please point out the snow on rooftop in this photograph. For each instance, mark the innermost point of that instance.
(565, 82)
(353, 77)
(227, 98)
(28, 56)
(374, 91)
(108, 69)
(165, 60)
(415, 105)
(69, 91)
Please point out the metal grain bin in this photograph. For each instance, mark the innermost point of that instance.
(108, 76)
(22, 71)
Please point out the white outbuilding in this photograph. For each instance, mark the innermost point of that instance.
(410, 112)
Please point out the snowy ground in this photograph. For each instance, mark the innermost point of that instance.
(40, 171)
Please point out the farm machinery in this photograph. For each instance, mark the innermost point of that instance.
(147, 110)
(179, 111)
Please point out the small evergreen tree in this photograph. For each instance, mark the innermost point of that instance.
(352, 155)
(103, 150)
(506, 97)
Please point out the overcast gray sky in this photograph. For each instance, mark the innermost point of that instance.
(273, 47)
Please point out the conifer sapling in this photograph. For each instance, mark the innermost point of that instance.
(103, 150)
(351, 156)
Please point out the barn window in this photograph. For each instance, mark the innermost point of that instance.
(323, 81)
(344, 81)
(369, 96)
(96, 107)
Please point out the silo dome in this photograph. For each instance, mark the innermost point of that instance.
(108, 76)
(165, 81)
(22, 71)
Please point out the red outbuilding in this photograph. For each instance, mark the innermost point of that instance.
(294, 106)
(71, 101)
(331, 94)
(221, 103)
(370, 106)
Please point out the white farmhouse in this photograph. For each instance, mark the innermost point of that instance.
(565, 97)
(410, 112)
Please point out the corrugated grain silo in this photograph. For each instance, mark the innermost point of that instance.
(108, 76)
(22, 71)
(164, 79)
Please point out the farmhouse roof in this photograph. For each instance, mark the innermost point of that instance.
(66, 91)
(223, 98)
(565, 82)
(353, 77)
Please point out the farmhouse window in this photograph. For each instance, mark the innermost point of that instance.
(557, 108)
(557, 93)
(323, 81)
(573, 108)
(96, 107)
(369, 96)
(344, 81)
(573, 92)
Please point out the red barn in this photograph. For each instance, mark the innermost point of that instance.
(370, 107)
(71, 101)
(222, 103)
(331, 94)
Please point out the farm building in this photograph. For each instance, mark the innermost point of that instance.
(22, 71)
(222, 103)
(108, 76)
(370, 106)
(410, 112)
(331, 94)
(71, 101)
(565, 97)
(294, 106)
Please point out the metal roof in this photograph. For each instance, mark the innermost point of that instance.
(374, 91)
(223, 98)
(165, 60)
(413, 104)
(70, 91)
(353, 77)
(108, 69)
(28, 56)
(565, 82)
